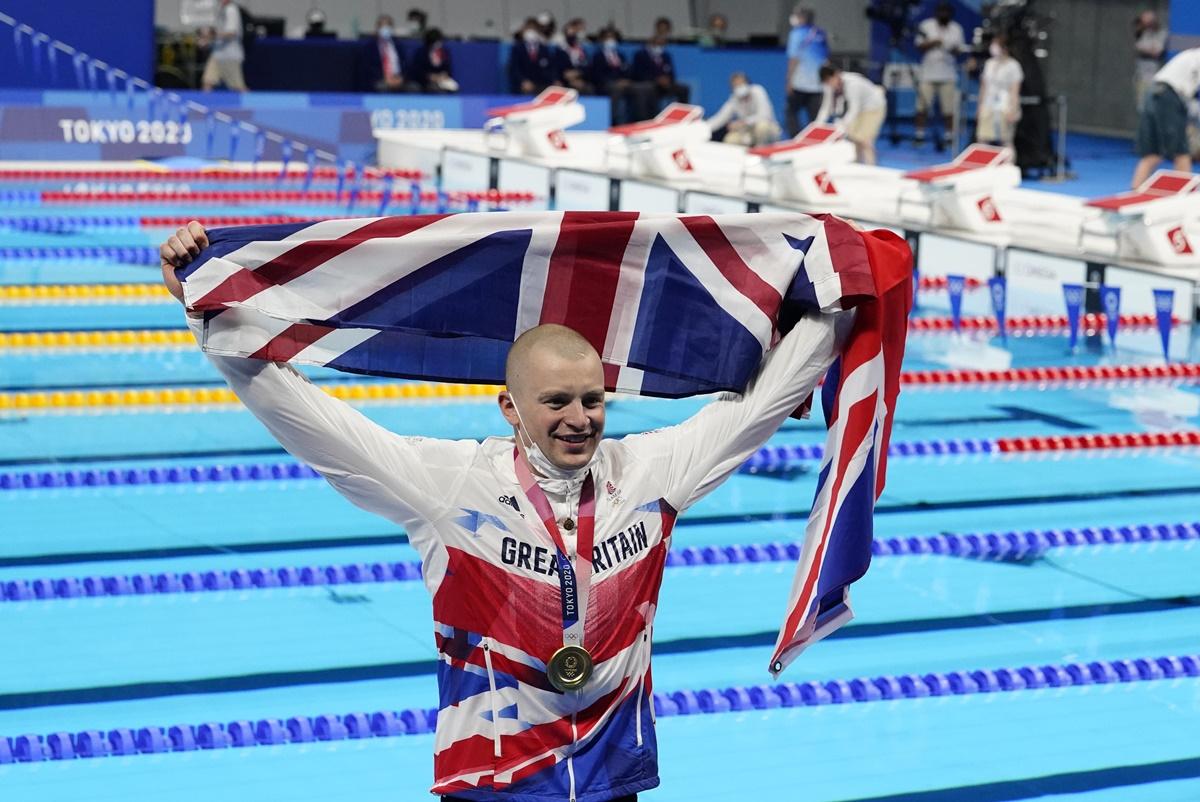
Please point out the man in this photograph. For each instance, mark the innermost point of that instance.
(1149, 44)
(654, 72)
(432, 68)
(610, 75)
(531, 66)
(865, 107)
(570, 518)
(383, 61)
(716, 33)
(572, 55)
(807, 50)
(663, 28)
(999, 107)
(224, 65)
(940, 40)
(1162, 126)
(747, 116)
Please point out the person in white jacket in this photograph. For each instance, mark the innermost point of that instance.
(865, 107)
(747, 116)
(523, 537)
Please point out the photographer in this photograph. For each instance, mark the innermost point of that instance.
(940, 39)
(1150, 43)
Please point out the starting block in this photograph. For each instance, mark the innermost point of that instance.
(658, 147)
(960, 194)
(1148, 222)
(797, 169)
(536, 127)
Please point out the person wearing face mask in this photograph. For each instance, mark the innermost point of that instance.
(431, 64)
(864, 103)
(543, 549)
(940, 40)
(747, 116)
(610, 75)
(572, 56)
(807, 50)
(531, 66)
(999, 95)
(654, 72)
(382, 61)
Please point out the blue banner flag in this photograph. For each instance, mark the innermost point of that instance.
(385, 197)
(414, 197)
(210, 134)
(341, 180)
(17, 52)
(129, 92)
(234, 133)
(260, 147)
(1164, 307)
(311, 159)
(52, 61)
(954, 287)
(916, 288)
(355, 184)
(285, 157)
(79, 57)
(998, 290)
(1110, 300)
(443, 202)
(112, 86)
(1073, 295)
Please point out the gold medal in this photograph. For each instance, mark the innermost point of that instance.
(570, 668)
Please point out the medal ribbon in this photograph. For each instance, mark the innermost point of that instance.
(573, 581)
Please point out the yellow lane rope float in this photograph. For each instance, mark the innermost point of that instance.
(42, 294)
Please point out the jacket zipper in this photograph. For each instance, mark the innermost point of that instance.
(571, 757)
(487, 659)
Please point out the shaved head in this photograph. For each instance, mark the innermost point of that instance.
(557, 379)
(550, 339)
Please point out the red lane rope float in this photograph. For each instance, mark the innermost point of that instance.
(1085, 442)
(940, 282)
(1077, 373)
(328, 197)
(228, 220)
(1088, 322)
(218, 174)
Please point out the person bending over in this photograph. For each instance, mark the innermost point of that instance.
(543, 549)
(865, 106)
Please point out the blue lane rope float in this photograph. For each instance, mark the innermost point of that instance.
(987, 545)
(65, 225)
(243, 733)
(766, 459)
(125, 254)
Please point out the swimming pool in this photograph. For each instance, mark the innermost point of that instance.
(257, 618)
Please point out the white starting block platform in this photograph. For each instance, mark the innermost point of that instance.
(968, 216)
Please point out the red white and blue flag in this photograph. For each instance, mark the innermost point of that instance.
(675, 306)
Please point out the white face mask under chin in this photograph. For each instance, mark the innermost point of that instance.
(540, 462)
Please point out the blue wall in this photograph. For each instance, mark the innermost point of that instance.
(120, 32)
(1185, 20)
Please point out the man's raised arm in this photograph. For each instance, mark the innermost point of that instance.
(404, 479)
(700, 453)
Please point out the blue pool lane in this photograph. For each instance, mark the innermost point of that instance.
(163, 659)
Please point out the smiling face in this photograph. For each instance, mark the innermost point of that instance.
(556, 381)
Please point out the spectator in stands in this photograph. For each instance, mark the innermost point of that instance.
(865, 106)
(716, 32)
(999, 95)
(1162, 126)
(807, 50)
(224, 65)
(663, 28)
(747, 116)
(531, 65)
(654, 74)
(316, 26)
(382, 61)
(549, 29)
(940, 40)
(610, 76)
(572, 57)
(1150, 43)
(415, 22)
(431, 65)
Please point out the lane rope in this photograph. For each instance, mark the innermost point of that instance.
(985, 545)
(768, 459)
(154, 739)
(69, 401)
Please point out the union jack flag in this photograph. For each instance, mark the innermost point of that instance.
(675, 306)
